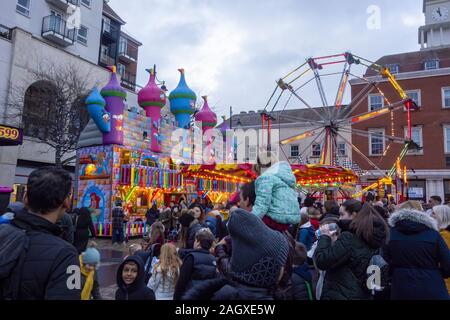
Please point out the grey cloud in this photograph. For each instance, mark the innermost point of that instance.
(267, 39)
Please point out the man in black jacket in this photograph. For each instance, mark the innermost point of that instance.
(198, 265)
(50, 264)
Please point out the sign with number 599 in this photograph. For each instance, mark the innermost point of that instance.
(10, 136)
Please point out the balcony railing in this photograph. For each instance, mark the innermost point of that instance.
(110, 32)
(5, 32)
(128, 52)
(64, 4)
(55, 29)
(128, 80)
(107, 60)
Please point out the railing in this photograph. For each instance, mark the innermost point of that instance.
(107, 60)
(58, 26)
(129, 50)
(5, 32)
(128, 79)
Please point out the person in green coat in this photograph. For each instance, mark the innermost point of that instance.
(346, 258)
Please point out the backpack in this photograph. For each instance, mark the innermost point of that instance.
(376, 263)
(14, 244)
(155, 249)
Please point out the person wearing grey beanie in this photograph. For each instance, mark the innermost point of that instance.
(259, 253)
(257, 260)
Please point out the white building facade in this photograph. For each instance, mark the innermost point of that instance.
(35, 33)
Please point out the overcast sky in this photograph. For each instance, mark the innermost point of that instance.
(234, 51)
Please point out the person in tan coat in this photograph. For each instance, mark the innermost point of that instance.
(442, 215)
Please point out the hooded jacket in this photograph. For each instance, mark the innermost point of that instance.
(138, 290)
(306, 235)
(345, 262)
(276, 196)
(418, 257)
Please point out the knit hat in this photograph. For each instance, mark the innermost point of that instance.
(91, 256)
(258, 253)
(186, 219)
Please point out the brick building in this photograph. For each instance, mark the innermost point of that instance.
(425, 76)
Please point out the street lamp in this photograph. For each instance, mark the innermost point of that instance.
(162, 83)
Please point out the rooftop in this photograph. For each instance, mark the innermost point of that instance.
(253, 118)
(413, 61)
(109, 12)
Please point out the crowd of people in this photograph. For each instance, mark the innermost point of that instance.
(266, 243)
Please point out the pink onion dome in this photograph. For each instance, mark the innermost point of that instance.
(151, 95)
(206, 116)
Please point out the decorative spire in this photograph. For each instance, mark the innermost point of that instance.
(206, 116)
(151, 95)
(113, 88)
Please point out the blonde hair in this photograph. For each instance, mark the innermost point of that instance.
(410, 204)
(169, 262)
(442, 214)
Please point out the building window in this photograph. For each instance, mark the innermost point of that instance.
(447, 190)
(431, 64)
(295, 151)
(82, 35)
(376, 142)
(393, 68)
(446, 97)
(252, 153)
(342, 149)
(447, 139)
(123, 45)
(376, 102)
(416, 96)
(87, 3)
(23, 7)
(106, 25)
(416, 136)
(316, 150)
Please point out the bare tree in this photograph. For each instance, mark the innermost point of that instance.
(52, 109)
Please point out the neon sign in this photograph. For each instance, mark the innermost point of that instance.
(10, 136)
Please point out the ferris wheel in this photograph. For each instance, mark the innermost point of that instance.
(332, 122)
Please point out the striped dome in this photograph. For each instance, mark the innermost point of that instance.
(113, 88)
(206, 116)
(182, 98)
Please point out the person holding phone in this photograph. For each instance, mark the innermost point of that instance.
(346, 259)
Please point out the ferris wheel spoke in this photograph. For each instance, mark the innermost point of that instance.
(374, 114)
(361, 154)
(341, 89)
(304, 102)
(312, 142)
(358, 99)
(319, 84)
(306, 121)
(367, 134)
(301, 136)
(271, 97)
